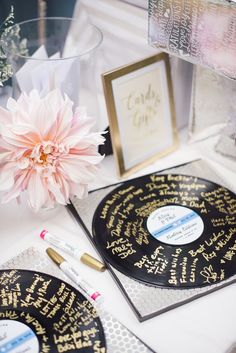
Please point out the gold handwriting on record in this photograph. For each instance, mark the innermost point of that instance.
(221, 199)
(174, 193)
(200, 205)
(183, 265)
(151, 206)
(174, 265)
(118, 228)
(76, 340)
(157, 252)
(9, 297)
(193, 267)
(124, 191)
(110, 223)
(154, 186)
(45, 348)
(128, 209)
(230, 253)
(38, 280)
(135, 229)
(38, 328)
(63, 324)
(43, 289)
(147, 197)
(104, 212)
(9, 314)
(155, 264)
(209, 256)
(179, 178)
(32, 301)
(157, 178)
(63, 293)
(116, 209)
(210, 276)
(175, 257)
(122, 247)
(64, 338)
(128, 198)
(173, 278)
(220, 222)
(61, 289)
(115, 243)
(9, 277)
(192, 186)
(90, 333)
(227, 237)
(199, 250)
(70, 302)
(213, 239)
(54, 310)
(138, 191)
(97, 347)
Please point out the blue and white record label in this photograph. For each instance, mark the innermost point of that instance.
(175, 225)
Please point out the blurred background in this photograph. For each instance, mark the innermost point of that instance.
(28, 9)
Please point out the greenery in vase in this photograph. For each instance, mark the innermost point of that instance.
(15, 44)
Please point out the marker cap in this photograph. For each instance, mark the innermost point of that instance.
(92, 262)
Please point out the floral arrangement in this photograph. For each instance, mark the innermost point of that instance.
(47, 151)
(16, 44)
(5, 68)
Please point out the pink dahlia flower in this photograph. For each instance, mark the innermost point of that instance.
(46, 150)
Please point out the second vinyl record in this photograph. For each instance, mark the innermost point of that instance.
(171, 231)
(42, 314)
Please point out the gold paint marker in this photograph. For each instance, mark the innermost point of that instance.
(85, 258)
(73, 275)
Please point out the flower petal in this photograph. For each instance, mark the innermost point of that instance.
(14, 139)
(7, 176)
(15, 190)
(79, 190)
(76, 171)
(5, 116)
(55, 189)
(36, 191)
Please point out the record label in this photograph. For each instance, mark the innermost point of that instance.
(171, 231)
(175, 225)
(41, 314)
(17, 337)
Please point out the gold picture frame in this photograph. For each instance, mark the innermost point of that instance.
(141, 113)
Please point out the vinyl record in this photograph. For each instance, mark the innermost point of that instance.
(172, 231)
(40, 313)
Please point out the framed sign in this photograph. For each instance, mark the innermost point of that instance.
(140, 107)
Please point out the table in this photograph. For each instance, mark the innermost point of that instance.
(206, 325)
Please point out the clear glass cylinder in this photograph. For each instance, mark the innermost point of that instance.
(200, 31)
(48, 53)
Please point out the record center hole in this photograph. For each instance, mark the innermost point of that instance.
(175, 225)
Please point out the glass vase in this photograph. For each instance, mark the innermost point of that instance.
(49, 53)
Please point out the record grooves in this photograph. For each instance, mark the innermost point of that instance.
(40, 313)
(170, 231)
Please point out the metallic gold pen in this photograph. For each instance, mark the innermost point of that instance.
(71, 272)
(85, 258)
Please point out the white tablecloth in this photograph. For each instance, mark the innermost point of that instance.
(206, 325)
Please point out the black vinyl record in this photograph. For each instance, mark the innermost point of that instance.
(40, 313)
(171, 231)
